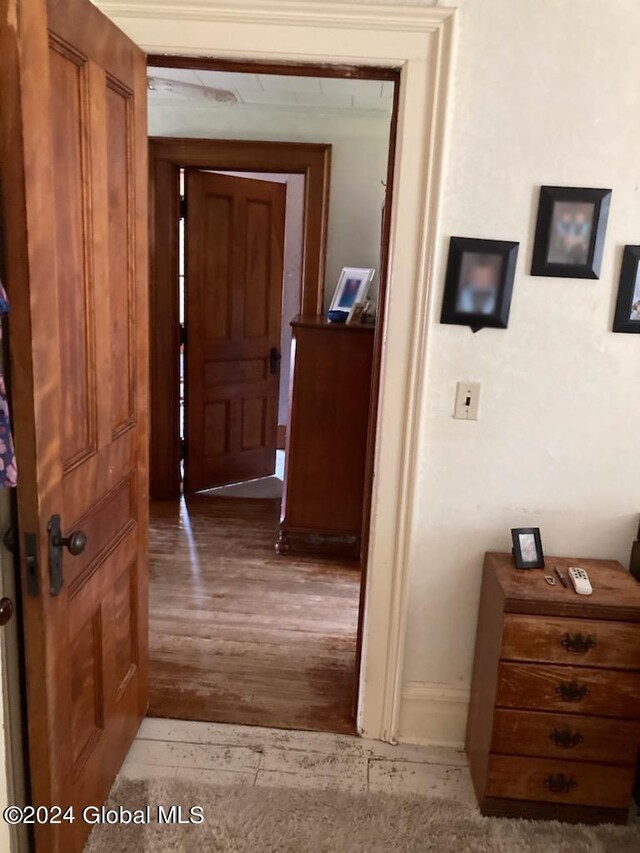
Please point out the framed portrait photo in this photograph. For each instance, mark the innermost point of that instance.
(627, 316)
(356, 313)
(570, 232)
(527, 548)
(353, 286)
(479, 283)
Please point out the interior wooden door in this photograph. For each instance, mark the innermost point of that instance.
(74, 179)
(233, 283)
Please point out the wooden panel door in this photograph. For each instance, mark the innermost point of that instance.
(234, 267)
(73, 154)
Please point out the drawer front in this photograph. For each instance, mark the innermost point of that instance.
(565, 736)
(577, 642)
(552, 781)
(568, 689)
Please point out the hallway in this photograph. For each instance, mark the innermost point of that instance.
(241, 635)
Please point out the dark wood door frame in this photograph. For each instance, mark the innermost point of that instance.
(166, 157)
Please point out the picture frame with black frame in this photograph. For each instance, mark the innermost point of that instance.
(627, 314)
(479, 283)
(570, 232)
(527, 547)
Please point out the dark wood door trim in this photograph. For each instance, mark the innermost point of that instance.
(166, 157)
(294, 69)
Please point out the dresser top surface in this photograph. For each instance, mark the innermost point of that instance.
(311, 321)
(616, 593)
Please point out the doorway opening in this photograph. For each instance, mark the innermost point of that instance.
(238, 632)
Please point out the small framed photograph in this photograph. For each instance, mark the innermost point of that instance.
(357, 312)
(627, 316)
(479, 283)
(527, 548)
(353, 286)
(570, 232)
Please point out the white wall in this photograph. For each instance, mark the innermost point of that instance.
(359, 143)
(544, 92)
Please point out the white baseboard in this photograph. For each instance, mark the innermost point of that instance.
(433, 714)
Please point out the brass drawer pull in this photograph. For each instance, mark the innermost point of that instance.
(565, 738)
(572, 691)
(558, 783)
(578, 644)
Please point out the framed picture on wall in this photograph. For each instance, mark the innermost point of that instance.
(570, 232)
(353, 286)
(627, 316)
(527, 548)
(479, 283)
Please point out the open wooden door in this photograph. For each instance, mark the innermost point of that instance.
(73, 153)
(233, 282)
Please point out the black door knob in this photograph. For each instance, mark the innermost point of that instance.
(75, 542)
(6, 610)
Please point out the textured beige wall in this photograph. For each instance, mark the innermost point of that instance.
(543, 93)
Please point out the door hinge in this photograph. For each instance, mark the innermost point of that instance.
(183, 334)
(183, 449)
(183, 207)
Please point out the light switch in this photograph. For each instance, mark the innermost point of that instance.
(467, 401)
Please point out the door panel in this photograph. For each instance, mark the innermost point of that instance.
(73, 156)
(234, 251)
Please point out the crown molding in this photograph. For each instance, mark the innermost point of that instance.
(426, 19)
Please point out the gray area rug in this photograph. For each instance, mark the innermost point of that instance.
(266, 820)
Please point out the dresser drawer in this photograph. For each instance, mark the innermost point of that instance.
(571, 641)
(566, 736)
(574, 690)
(555, 781)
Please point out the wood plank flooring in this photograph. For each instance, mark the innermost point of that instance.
(239, 634)
(218, 754)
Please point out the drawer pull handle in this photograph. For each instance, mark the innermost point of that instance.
(565, 738)
(558, 783)
(572, 691)
(578, 644)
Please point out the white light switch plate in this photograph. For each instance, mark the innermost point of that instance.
(467, 401)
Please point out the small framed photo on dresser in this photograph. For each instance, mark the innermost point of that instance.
(527, 548)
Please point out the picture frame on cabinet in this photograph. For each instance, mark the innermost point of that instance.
(357, 313)
(627, 313)
(527, 548)
(353, 286)
(479, 283)
(570, 232)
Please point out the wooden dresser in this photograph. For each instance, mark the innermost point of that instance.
(554, 719)
(326, 449)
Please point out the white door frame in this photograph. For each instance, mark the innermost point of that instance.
(419, 41)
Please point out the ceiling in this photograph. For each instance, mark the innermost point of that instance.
(264, 91)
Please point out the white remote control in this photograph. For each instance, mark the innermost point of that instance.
(580, 580)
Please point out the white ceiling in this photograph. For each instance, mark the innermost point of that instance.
(170, 85)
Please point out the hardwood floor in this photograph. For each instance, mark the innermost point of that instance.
(239, 634)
